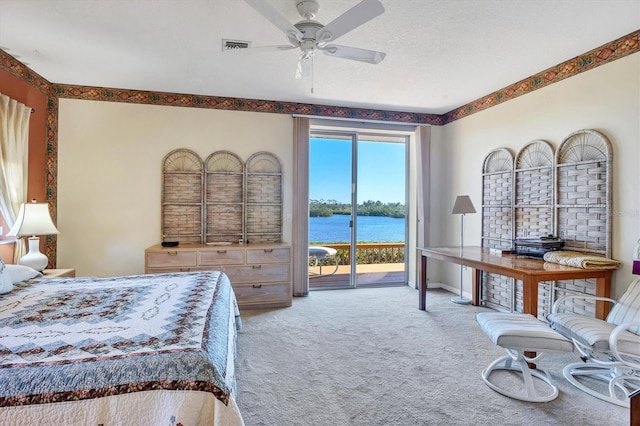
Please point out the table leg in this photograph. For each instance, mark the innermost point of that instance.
(422, 283)
(530, 305)
(476, 283)
(530, 296)
(603, 289)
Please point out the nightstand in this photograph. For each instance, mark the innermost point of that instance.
(56, 273)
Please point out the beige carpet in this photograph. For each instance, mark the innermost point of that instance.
(370, 357)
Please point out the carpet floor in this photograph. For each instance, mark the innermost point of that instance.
(371, 357)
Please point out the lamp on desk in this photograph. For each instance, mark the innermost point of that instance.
(462, 206)
(34, 219)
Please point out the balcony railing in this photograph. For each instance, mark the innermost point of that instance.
(366, 253)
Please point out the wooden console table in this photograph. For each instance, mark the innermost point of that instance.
(529, 271)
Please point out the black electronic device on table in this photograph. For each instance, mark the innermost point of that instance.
(537, 246)
(170, 243)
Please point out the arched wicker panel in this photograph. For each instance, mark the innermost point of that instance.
(533, 208)
(583, 192)
(263, 217)
(497, 222)
(224, 197)
(497, 190)
(583, 204)
(182, 185)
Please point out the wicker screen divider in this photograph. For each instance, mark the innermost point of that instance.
(182, 183)
(264, 199)
(583, 204)
(566, 194)
(534, 190)
(583, 193)
(497, 223)
(224, 197)
(221, 199)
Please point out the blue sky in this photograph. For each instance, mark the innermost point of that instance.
(381, 171)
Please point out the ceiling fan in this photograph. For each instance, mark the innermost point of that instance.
(310, 36)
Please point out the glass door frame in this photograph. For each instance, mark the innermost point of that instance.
(373, 133)
(355, 137)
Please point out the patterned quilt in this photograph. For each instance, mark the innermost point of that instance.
(71, 339)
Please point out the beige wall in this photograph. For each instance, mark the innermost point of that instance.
(606, 98)
(109, 173)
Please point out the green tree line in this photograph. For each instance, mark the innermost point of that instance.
(326, 208)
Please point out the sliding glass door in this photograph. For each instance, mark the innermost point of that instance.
(331, 217)
(357, 226)
(381, 209)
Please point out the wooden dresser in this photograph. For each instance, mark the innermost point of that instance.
(260, 273)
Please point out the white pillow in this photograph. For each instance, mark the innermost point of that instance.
(5, 280)
(21, 273)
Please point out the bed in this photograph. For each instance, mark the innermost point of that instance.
(133, 350)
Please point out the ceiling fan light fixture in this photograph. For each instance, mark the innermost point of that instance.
(309, 35)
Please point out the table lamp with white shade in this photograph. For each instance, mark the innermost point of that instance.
(33, 220)
(462, 206)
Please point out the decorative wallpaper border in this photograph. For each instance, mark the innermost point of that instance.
(51, 174)
(24, 73)
(237, 104)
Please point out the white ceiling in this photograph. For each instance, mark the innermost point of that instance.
(441, 54)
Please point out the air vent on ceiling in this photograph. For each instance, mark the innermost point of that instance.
(235, 44)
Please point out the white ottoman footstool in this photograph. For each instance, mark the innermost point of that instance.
(517, 334)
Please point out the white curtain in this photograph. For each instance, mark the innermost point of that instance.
(423, 176)
(14, 156)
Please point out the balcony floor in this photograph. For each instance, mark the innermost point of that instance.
(366, 275)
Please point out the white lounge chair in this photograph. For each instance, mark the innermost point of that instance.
(610, 349)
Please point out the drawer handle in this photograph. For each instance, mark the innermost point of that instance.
(172, 253)
(221, 251)
(185, 269)
(268, 250)
(257, 286)
(257, 266)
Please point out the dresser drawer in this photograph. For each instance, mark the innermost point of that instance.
(171, 258)
(268, 255)
(264, 295)
(263, 273)
(221, 256)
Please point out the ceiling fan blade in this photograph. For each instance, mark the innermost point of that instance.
(353, 53)
(275, 17)
(359, 14)
(304, 68)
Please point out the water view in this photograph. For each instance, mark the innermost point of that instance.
(335, 229)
